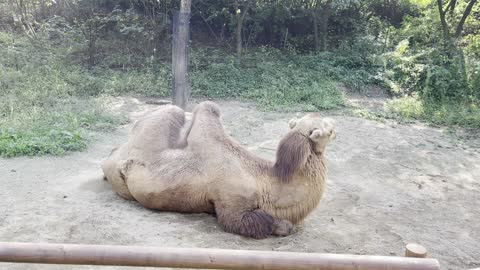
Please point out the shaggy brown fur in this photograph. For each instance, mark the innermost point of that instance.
(292, 153)
(197, 167)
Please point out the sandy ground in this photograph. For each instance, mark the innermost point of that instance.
(389, 185)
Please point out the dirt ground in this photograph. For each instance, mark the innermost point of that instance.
(389, 184)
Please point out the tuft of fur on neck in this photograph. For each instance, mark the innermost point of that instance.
(292, 154)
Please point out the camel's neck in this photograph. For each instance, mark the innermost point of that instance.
(295, 199)
(255, 164)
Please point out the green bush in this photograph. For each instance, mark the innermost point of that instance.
(445, 84)
(407, 107)
(54, 129)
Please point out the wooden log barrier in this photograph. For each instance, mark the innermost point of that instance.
(415, 251)
(201, 258)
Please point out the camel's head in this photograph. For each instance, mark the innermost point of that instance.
(309, 135)
(320, 131)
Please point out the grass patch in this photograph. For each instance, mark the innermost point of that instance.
(63, 128)
(365, 114)
(275, 85)
(467, 115)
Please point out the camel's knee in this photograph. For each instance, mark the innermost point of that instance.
(282, 227)
(251, 223)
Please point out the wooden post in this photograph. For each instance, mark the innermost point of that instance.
(201, 258)
(415, 251)
(181, 28)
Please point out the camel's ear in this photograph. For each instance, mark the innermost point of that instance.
(126, 165)
(122, 169)
(292, 123)
(316, 134)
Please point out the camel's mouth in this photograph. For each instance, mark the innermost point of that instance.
(333, 136)
(318, 144)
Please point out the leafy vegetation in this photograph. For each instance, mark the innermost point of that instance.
(46, 105)
(59, 60)
(433, 68)
(63, 129)
(276, 79)
(443, 114)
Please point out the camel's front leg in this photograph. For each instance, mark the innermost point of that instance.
(250, 222)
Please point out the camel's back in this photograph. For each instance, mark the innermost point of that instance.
(156, 132)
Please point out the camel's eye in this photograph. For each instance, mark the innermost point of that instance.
(311, 131)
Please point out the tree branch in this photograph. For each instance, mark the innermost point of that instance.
(467, 11)
(246, 10)
(452, 6)
(442, 19)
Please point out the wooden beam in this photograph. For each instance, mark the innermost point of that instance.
(181, 30)
(201, 258)
(415, 251)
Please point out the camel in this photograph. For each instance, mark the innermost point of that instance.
(195, 167)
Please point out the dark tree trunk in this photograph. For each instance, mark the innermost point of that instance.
(315, 31)
(323, 26)
(222, 32)
(240, 15)
(446, 35)
(320, 15)
(238, 36)
(92, 48)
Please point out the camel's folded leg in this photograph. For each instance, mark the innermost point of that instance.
(254, 223)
